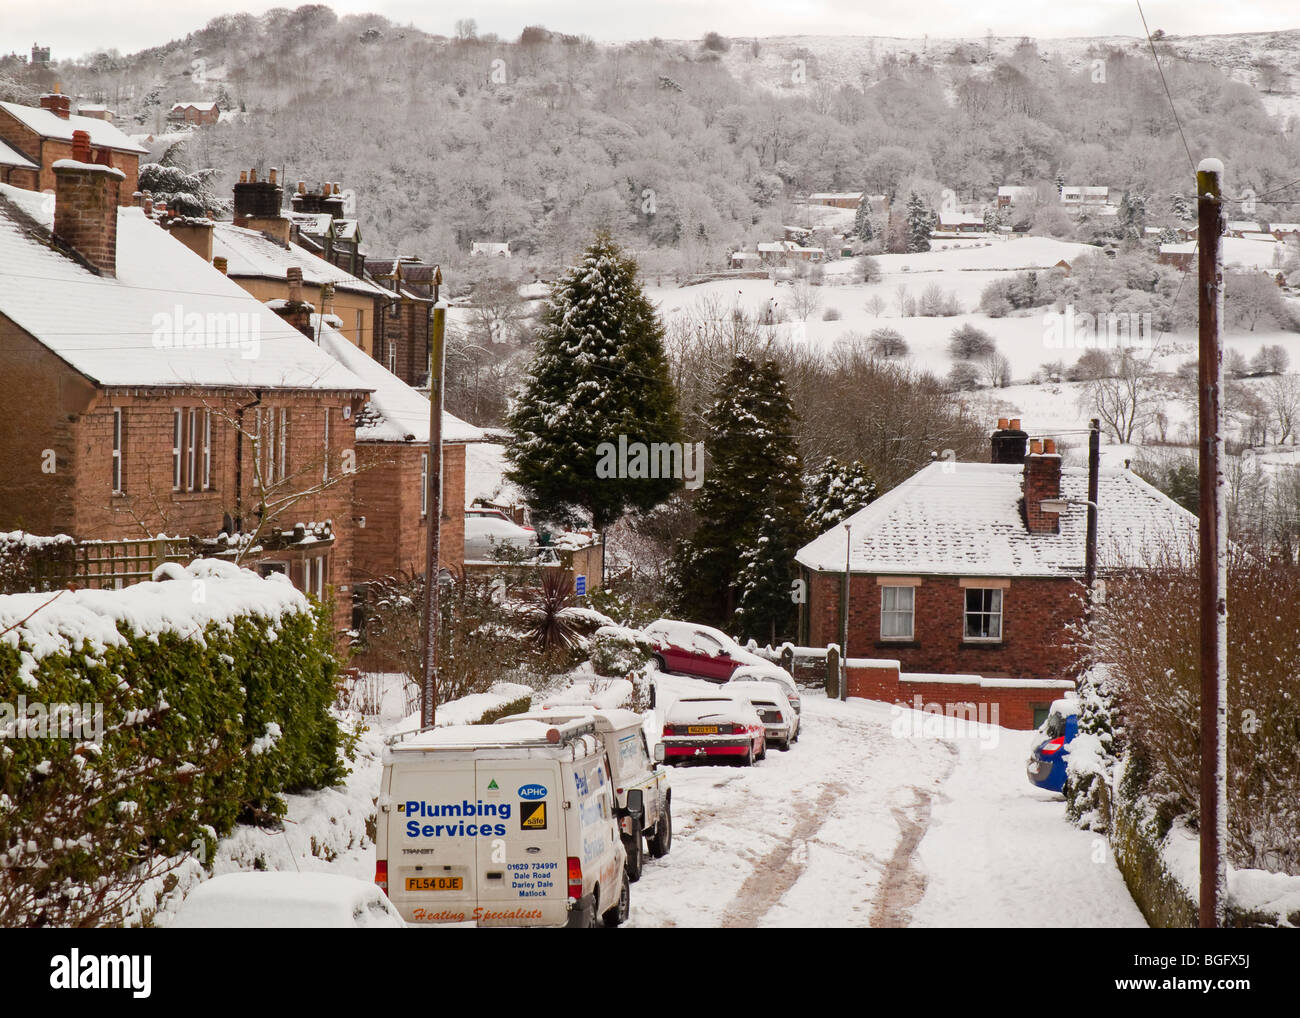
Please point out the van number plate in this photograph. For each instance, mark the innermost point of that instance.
(702, 730)
(434, 883)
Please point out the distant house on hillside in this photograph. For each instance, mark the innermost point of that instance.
(1180, 256)
(1289, 232)
(746, 259)
(958, 222)
(496, 250)
(1240, 227)
(95, 110)
(1011, 194)
(787, 252)
(197, 113)
(836, 199)
(1078, 195)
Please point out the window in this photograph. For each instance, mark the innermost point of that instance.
(424, 484)
(325, 471)
(319, 585)
(897, 609)
(191, 450)
(273, 444)
(178, 419)
(983, 613)
(392, 357)
(117, 453)
(207, 450)
(361, 326)
(282, 472)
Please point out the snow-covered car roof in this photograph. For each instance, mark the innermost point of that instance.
(701, 708)
(683, 634)
(751, 690)
(765, 672)
(286, 900)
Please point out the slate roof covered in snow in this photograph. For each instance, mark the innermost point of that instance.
(105, 328)
(249, 253)
(202, 107)
(396, 412)
(50, 125)
(968, 522)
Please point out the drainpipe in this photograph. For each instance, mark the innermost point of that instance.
(239, 461)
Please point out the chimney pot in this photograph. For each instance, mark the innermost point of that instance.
(220, 264)
(252, 175)
(302, 187)
(1015, 424)
(1049, 446)
(1002, 424)
(243, 176)
(1035, 447)
(81, 146)
(271, 178)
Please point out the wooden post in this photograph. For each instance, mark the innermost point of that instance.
(1094, 471)
(1213, 549)
(433, 515)
(833, 673)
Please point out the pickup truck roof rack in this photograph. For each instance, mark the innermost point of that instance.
(556, 735)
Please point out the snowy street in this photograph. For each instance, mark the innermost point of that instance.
(857, 827)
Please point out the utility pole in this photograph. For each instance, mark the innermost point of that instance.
(1213, 549)
(433, 514)
(1094, 471)
(844, 613)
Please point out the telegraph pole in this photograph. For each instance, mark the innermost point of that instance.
(1213, 549)
(1094, 472)
(433, 511)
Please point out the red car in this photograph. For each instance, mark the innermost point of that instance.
(713, 727)
(700, 651)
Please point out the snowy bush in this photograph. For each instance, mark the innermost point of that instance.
(617, 652)
(211, 709)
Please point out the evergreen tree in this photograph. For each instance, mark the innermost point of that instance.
(754, 473)
(919, 223)
(1182, 208)
(1060, 183)
(599, 373)
(862, 221)
(835, 492)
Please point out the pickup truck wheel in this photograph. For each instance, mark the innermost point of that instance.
(632, 843)
(617, 915)
(662, 841)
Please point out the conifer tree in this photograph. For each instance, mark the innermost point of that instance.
(919, 223)
(835, 492)
(754, 472)
(599, 374)
(862, 221)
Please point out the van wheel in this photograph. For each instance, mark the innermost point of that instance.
(583, 917)
(663, 836)
(617, 915)
(632, 843)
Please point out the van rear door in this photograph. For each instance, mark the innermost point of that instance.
(432, 857)
(522, 874)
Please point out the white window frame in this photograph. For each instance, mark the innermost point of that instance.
(392, 357)
(191, 449)
(424, 485)
(207, 450)
(319, 565)
(178, 440)
(118, 435)
(997, 603)
(284, 443)
(325, 469)
(892, 592)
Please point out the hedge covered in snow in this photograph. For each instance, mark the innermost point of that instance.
(139, 725)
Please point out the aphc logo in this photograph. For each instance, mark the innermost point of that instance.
(532, 791)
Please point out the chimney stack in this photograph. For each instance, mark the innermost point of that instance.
(1042, 481)
(1009, 442)
(85, 206)
(57, 103)
(295, 310)
(258, 205)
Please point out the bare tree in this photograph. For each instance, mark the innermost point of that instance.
(1281, 395)
(1125, 401)
(805, 300)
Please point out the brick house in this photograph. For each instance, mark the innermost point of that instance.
(961, 573)
(158, 397)
(41, 136)
(405, 346)
(196, 113)
(392, 443)
(836, 199)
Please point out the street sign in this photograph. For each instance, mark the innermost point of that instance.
(580, 586)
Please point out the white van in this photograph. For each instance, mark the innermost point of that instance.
(501, 825)
(641, 788)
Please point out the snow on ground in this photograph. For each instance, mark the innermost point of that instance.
(858, 827)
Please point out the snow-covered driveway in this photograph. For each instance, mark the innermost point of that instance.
(856, 826)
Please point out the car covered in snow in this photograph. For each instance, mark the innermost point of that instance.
(701, 651)
(487, 532)
(713, 728)
(1047, 760)
(286, 901)
(780, 720)
(768, 672)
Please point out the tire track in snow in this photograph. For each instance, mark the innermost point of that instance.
(777, 871)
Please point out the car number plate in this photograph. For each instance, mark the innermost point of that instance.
(702, 730)
(435, 883)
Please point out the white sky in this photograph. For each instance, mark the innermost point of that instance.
(75, 27)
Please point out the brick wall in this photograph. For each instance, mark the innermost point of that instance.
(1011, 706)
(46, 151)
(388, 496)
(408, 335)
(1035, 617)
